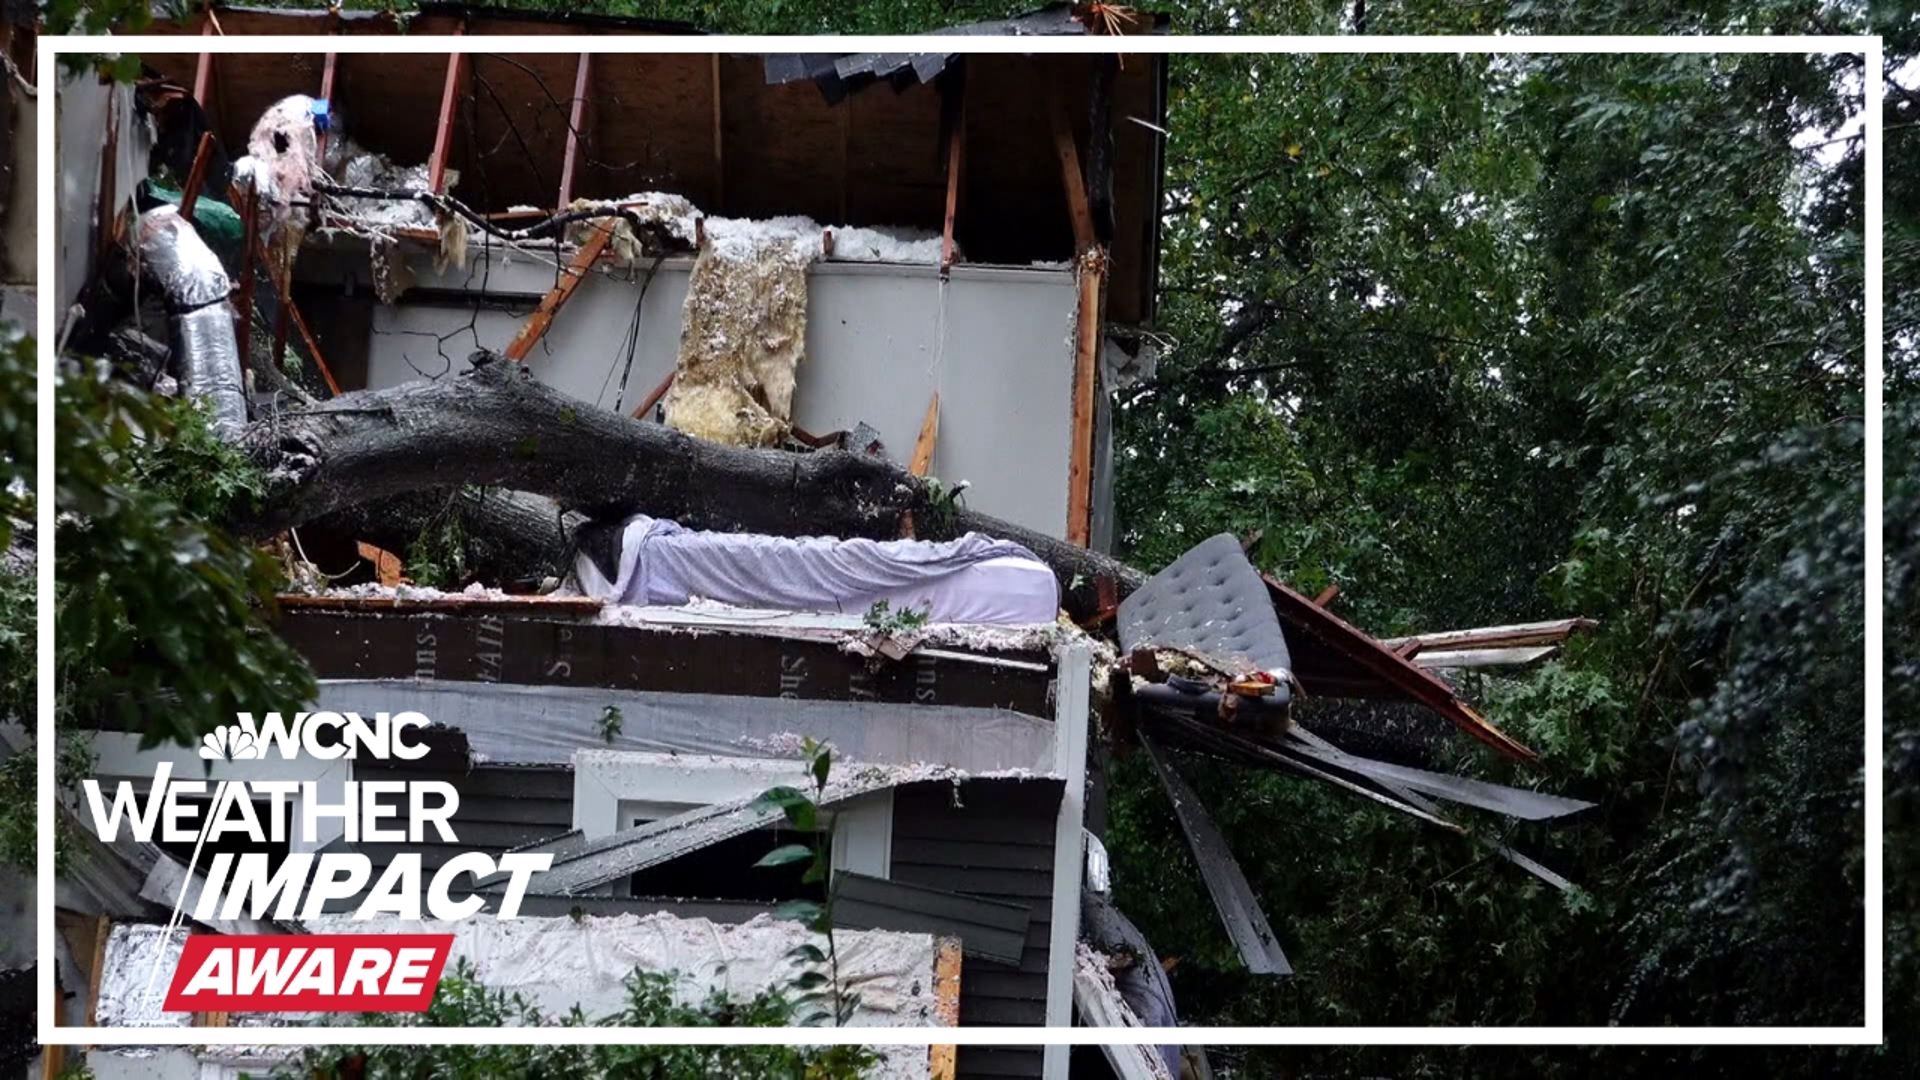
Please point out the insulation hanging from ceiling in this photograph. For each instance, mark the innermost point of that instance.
(743, 336)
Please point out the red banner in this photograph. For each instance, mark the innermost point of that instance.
(308, 972)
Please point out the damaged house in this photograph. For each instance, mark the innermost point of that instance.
(768, 396)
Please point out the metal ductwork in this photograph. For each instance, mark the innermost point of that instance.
(196, 286)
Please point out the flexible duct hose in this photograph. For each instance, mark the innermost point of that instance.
(196, 286)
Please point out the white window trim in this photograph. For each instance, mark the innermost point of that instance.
(1071, 703)
(118, 757)
(611, 788)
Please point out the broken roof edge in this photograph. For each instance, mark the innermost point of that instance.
(581, 864)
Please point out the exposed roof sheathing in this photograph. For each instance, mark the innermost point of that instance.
(711, 128)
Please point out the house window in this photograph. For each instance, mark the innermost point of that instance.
(618, 790)
(726, 871)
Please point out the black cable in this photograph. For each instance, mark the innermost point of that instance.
(447, 204)
(633, 336)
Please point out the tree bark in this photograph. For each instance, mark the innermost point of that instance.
(385, 461)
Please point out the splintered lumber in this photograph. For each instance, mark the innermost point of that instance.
(290, 311)
(557, 297)
(576, 115)
(443, 127)
(653, 397)
(956, 143)
(1520, 656)
(196, 176)
(929, 431)
(1071, 176)
(1384, 666)
(203, 68)
(1093, 269)
(1551, 632)
(1232, 897)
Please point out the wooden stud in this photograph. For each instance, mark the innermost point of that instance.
(922, 456)
(203, 68)
(443, 127)
(1327, 596)
(326, 95)
(1073, 179)
(929, 431)
(290, 314)
(719, 155)
(102, 930)
(1093, 270)
(646, 407)
(941, 1058)
(556, 298)
(576, 115)
(53, 1061)
(956, 141)
(196, 176)
(108, 210)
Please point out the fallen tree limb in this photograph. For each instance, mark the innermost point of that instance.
(497, 427)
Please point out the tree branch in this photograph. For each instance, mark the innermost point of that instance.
(496, 427)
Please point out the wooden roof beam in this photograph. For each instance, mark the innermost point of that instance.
(576, 115)
(556, 298)
(956, 159)
(203, 68)
(443, 127)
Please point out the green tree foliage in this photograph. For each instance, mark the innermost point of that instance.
(1491, 339)
(148, 591)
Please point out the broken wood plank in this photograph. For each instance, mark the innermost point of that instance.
(942, 1058)
(107, 214)
(653, 397)
(1100, 1005)
(386, 564)
(1327, 596)
(290, 312)
(1071, 177)
(583, 867)
(956, 142)
(1232, 897)
(443, 127)
(1550, 632)
(1518, 656)
(196, 176)
(203, 68)
(576, 115)
(1383, 667)
(102, 930)
(1093, 270)
(557, 297)
(929, 431)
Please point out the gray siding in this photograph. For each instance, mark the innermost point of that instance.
(996, 844)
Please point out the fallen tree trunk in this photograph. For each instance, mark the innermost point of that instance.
(497, 427)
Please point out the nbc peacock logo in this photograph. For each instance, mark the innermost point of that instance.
(230, 742)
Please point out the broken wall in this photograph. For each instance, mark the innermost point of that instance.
(996, 342)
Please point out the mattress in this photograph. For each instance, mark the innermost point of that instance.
(974, 579)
